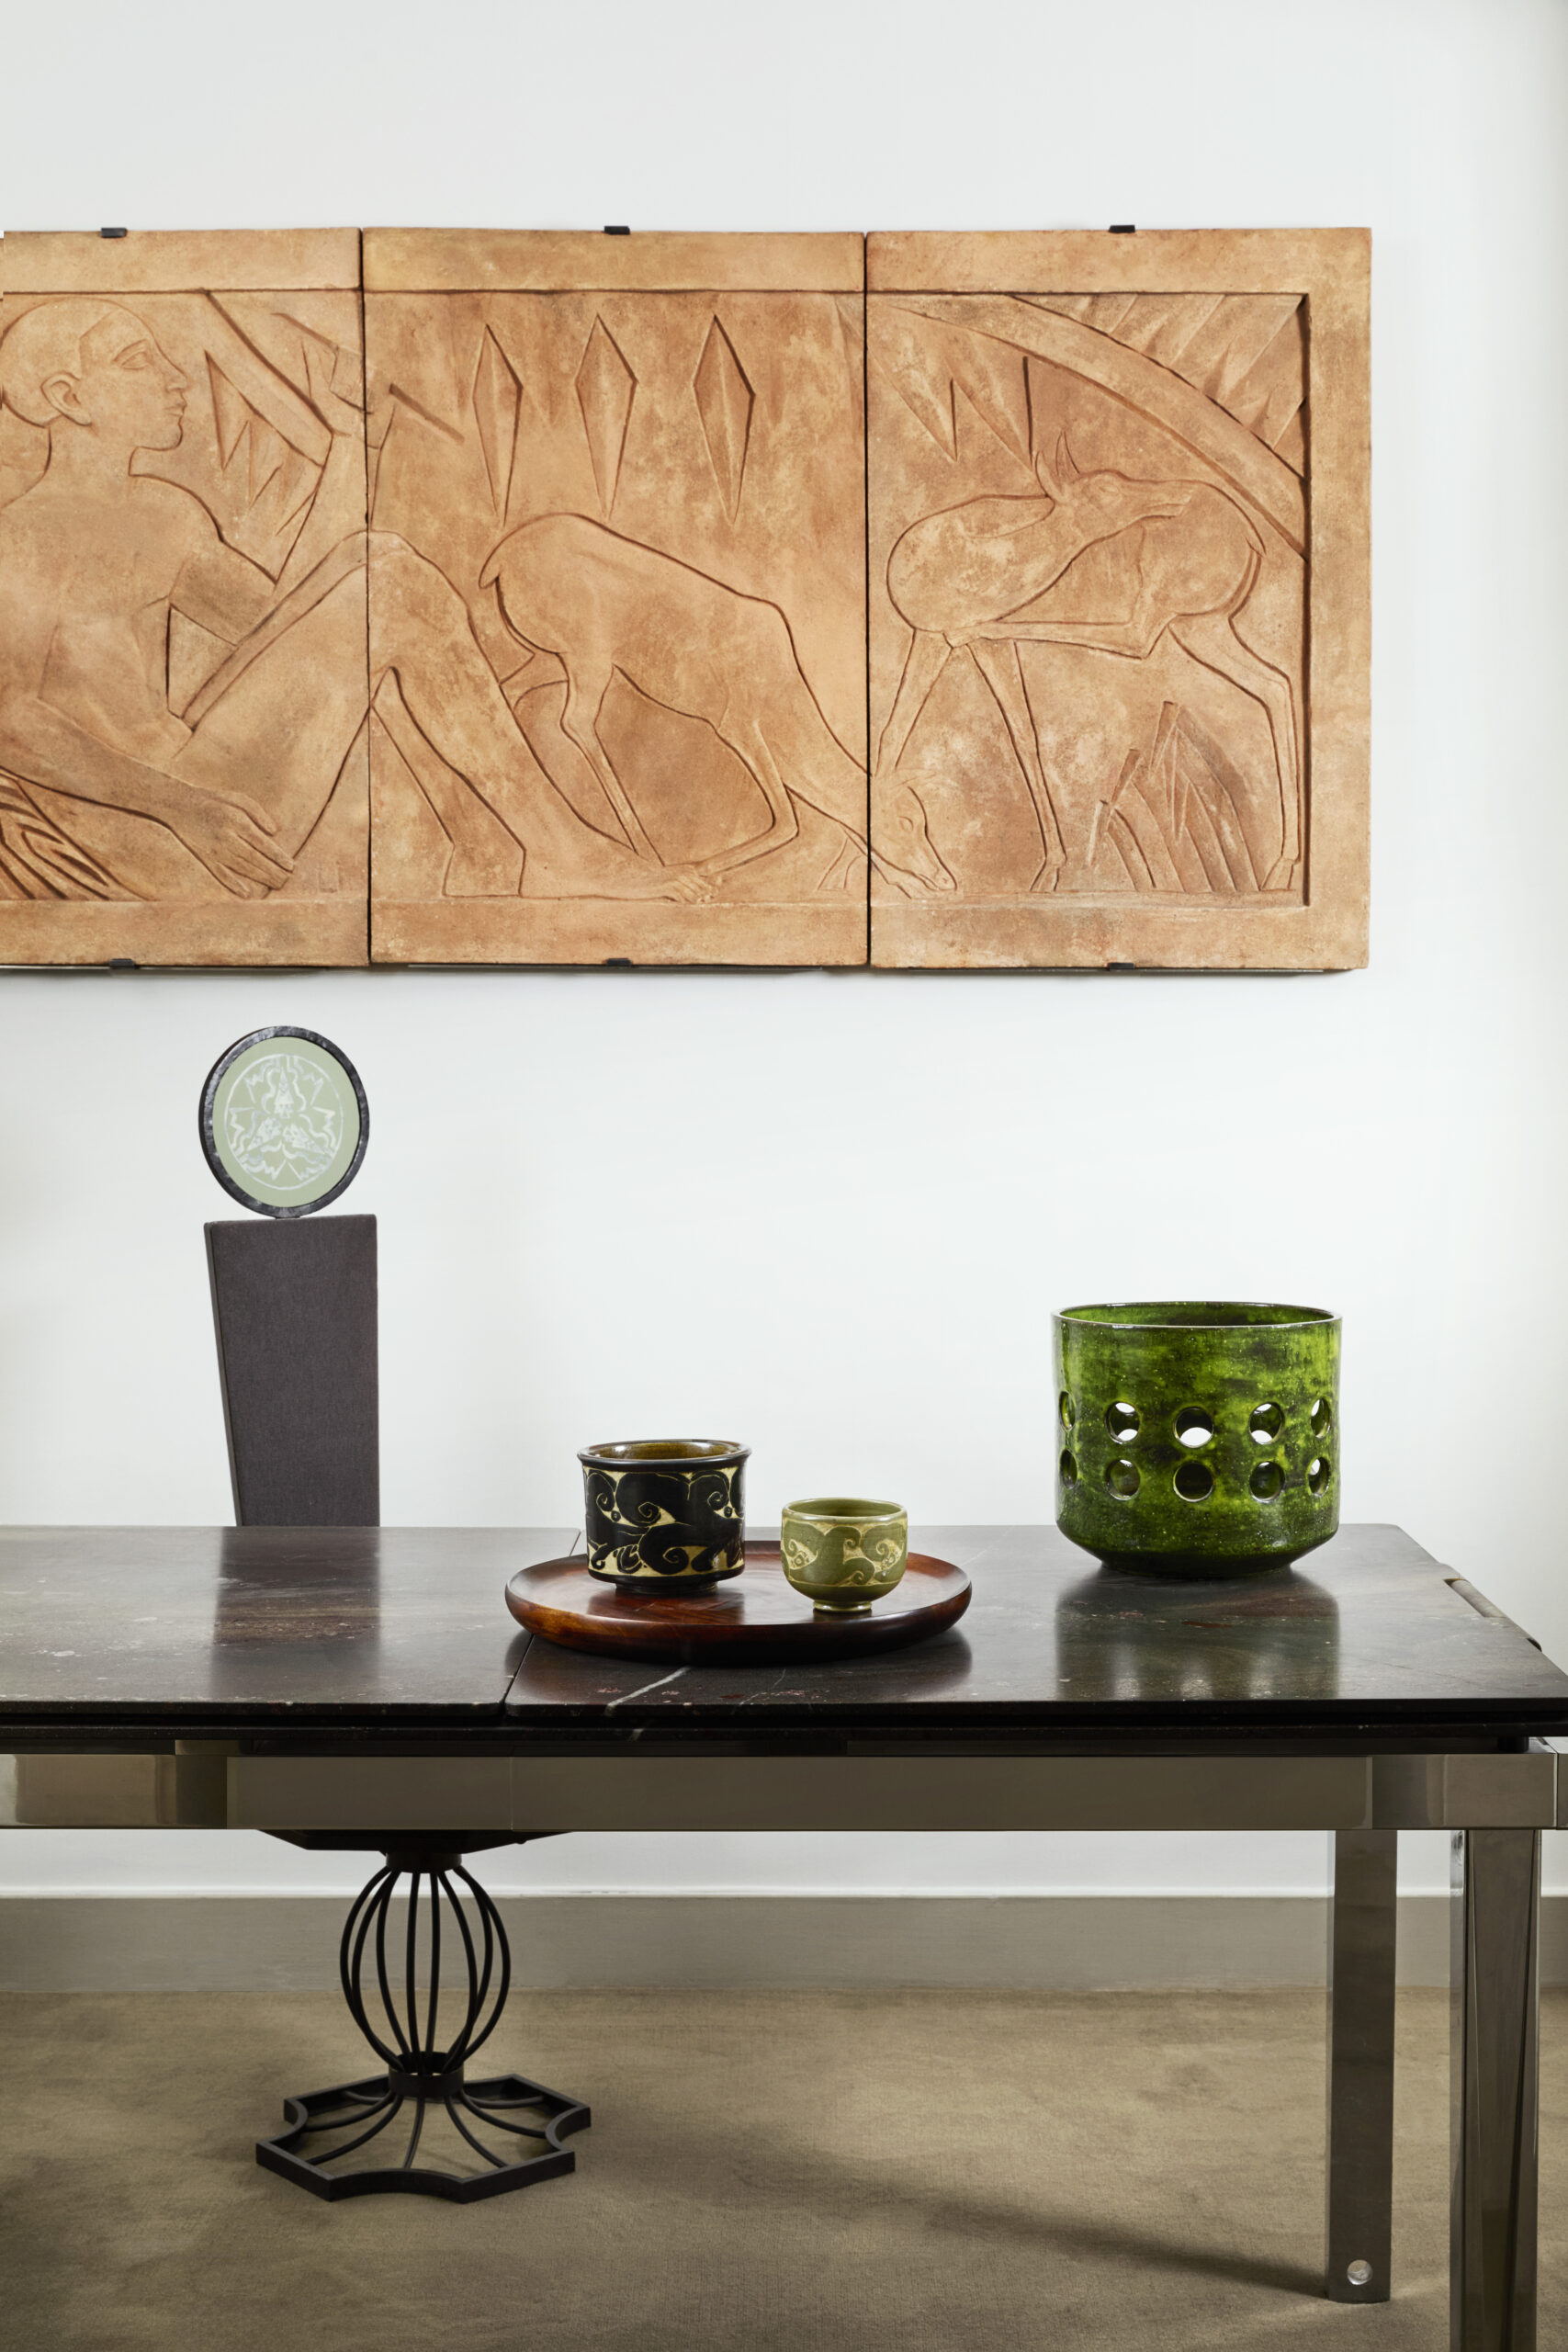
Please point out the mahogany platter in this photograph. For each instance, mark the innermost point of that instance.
(754, 1619)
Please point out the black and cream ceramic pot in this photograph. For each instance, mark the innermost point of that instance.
(665, 1513)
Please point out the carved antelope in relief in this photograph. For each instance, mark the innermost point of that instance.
(978, 578)
(601, 604)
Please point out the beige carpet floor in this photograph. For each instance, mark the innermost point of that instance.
(914, 2171)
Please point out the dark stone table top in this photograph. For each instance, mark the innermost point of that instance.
(396, 1631)
(249, 1625)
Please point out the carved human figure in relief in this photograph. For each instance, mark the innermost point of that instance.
(980, 577)
(94, 558)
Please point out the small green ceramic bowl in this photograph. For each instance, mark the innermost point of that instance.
(844, 1551)
(1197, 1437)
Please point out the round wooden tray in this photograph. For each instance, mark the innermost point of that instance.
(754, 1619)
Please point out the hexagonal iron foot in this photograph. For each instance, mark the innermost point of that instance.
(385, 2097)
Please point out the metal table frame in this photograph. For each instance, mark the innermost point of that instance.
(1495, 1806)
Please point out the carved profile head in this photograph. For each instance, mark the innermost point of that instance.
(93, 364)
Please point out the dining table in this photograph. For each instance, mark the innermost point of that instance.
(332, 1684)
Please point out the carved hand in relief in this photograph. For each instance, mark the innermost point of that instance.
(233, 835)
(101, 563)
(125, 789)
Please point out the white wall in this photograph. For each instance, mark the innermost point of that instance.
(832, 1213)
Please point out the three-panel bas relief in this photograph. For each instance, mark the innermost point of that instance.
(441, 598)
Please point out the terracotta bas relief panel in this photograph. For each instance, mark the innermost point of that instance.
(184, 741)
(1118, 603)
(617, 599)
(548, 626)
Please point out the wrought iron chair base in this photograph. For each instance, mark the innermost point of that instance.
(335, 2109)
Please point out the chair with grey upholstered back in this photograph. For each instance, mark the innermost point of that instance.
(294, 1304)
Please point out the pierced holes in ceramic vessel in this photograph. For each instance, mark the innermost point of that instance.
(1122, 1420)
(1265, 1424)
(1321, 1418)
(1064, 1407)
(1319, 1474)
(1194, 1482)
(1265, 1481)
(1068, 1468)
(1194, 1425)
(1122, 1479)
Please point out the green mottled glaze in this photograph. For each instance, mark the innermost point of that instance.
(1197, 1437)
(844, 1551)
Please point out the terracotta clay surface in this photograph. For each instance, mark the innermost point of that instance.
(556, 644)
(542, 260)
(1117, 495)
(179, 261)
(183, 742)
(617, 618)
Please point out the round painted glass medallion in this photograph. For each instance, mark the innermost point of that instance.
(284, 1121)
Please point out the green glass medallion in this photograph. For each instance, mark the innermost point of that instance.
(284, 1122)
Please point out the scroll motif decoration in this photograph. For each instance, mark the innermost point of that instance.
(632, 1532)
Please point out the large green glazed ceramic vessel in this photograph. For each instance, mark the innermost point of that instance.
(1197, 1437)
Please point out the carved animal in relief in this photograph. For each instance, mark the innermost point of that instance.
(982, 577)
(602, 604)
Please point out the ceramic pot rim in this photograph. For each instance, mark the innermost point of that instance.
(1197, 1315)
(663, 1454)
(845, 1510)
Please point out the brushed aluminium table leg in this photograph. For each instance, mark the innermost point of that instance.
(1359, 2190)
(1493, 2086)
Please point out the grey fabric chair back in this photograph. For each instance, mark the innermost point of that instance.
(294, 1304)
